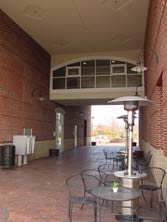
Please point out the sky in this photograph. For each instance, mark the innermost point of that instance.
(104, 114)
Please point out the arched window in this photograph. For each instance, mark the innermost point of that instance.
(95, 73)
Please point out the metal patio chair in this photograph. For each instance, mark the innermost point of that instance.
(90, 182)
(154, 214)
(153, 181)
(110, 156)
(143, 163)
(106, 172)
(76, 195)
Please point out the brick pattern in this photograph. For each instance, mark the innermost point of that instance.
(153, 127)
(24, 66)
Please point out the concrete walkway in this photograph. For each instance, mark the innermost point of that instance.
(37, 192)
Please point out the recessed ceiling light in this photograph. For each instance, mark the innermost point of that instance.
(35, 12)
(113, 61)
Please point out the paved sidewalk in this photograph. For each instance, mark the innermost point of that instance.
(37, 192)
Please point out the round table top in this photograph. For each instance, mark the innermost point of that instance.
(123, 193)
(137, 175)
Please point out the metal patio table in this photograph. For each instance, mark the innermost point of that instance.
(123, 195)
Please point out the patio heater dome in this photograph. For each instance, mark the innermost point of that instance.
(131, 102)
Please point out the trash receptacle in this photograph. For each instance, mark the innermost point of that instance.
(93, 143)
(7, 156)
(53, 152)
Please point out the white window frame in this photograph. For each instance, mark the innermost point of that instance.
(73, 67)
(118, 65)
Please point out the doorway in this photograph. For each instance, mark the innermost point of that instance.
(85, 132)
(75, 136)
(59, 131)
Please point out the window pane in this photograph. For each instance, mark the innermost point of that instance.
(118, 69)
(73, 83)
(88, 67)
(87, 82)
(73, 71)
(59, 72)
(102, 67)
(118, 81)
(59, 83)
(103, 82)
(134, 80)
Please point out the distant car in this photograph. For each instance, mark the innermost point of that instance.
(100, 139)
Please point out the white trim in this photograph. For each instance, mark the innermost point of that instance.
(118, 65)
(73, 67)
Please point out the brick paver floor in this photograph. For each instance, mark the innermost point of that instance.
(37, 192)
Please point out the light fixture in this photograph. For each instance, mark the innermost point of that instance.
(140, 67)
(131, 104)
(37, 94)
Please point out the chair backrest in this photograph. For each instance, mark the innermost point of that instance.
(109, 154)
(90, 182)
(75, 185)
(147, 154)
(155, 175)
(148, 160)
(106, 172)
(106, 167)
(92, 172)
(3, 214)
(164, 196)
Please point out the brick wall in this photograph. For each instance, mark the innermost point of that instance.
(153, 127)
(24, 75)
(24, 66)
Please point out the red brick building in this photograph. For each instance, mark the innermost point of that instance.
(25, 76)
(153, 127)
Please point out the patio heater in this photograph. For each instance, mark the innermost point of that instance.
(125, 119)
(131, 104)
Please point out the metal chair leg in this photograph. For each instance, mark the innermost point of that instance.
(95, 212)
(151, 199)
(70, 211)
(143, 196)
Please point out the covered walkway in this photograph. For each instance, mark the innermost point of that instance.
(37, 192)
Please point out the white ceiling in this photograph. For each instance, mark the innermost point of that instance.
(81, 26)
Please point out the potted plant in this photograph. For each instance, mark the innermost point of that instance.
(115, 186)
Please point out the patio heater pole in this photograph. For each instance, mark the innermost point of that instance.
(130, 141)
(127, 136)
(125, 118)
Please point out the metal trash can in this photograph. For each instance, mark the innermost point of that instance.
(93, 143)
(53, 152)
(7, 156)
